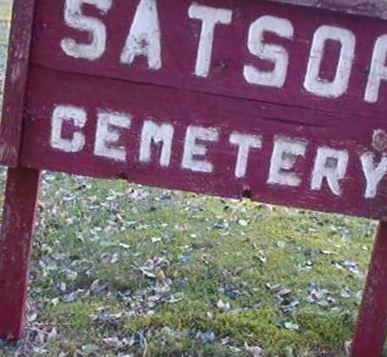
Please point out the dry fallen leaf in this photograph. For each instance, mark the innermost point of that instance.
(255, 351)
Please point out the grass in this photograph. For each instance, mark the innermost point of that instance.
(5, 10)
(177, 274)
(5, 16)
(119, 269)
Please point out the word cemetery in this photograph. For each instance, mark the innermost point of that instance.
(279, 101)
(329, 165)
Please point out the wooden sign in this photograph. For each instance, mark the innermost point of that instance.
(281, 104)
(269, 100)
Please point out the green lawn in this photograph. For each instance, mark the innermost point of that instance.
(4, 24)
(122, 270)
(125, 269)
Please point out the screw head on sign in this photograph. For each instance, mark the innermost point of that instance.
(379, 140)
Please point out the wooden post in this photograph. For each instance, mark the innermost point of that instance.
(15, 245)
(16, 81)
(372, 322)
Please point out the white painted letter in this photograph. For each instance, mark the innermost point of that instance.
(107, 138)
(78, 117)
(245, 143)
(144, 37)
(373, 174)
(193, 149)
(158, 134)
(210, 17)
(269, 52)
(75, 19)
(378, 71)
(331, 165)
(322, 87)
(285, 154)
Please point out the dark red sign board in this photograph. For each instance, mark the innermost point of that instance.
(270, 100)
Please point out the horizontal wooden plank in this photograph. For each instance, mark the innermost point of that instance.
(179, 51)
(181, 109)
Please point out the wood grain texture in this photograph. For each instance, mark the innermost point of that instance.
(15, 245)
(372, 323)
(15, 82)
(372, 8)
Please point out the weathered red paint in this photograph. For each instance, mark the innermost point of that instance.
(15, 244)
(16, 80)
(372, 322)
(224, 101)
(39, 80)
